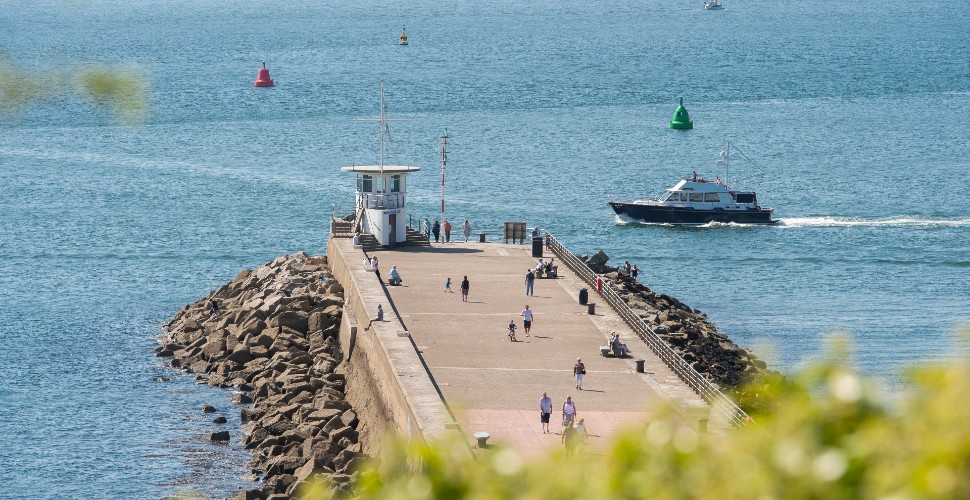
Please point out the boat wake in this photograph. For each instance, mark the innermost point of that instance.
(895, 221)
(914, 221)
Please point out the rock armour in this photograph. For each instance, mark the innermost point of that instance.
(686, 330)
(273, 336)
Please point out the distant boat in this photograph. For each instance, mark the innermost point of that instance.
(404, 37)
(713, 5)
(696, 200)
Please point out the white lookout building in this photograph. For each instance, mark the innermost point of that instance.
(381, 208)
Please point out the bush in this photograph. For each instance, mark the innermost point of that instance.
(827, 434)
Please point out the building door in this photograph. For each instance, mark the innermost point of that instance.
(392, 219)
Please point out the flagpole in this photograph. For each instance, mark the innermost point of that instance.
(444, 160)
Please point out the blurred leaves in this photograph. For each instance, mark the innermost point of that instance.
(119, 89)
(826, 434)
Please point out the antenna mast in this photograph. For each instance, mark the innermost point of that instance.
(384, 129)
(444, 161)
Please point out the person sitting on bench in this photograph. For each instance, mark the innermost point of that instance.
(619, 349)
(395, 276)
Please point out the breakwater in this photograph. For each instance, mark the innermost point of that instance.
(688, 332)
(272, 335)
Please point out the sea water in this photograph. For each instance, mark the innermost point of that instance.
(852, 117)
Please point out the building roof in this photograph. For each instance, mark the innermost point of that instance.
(376, 169)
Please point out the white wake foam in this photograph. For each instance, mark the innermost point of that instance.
(896, 221)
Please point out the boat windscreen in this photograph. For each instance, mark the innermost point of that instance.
(744, 197)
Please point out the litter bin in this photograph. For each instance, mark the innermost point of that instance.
(583, 296)
(536, 248)
(702, 425)
(481, 237)
(639, 366)
(591, 308)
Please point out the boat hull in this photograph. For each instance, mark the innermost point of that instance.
(682, 215)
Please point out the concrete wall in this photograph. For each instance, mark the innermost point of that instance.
(390, 389)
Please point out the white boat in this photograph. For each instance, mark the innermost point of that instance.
(696, 200)
(403, 40)
(713, 5)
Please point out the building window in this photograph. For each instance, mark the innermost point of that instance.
(395, 183)
(381, 183)
(368, 184)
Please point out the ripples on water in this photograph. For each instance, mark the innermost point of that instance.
(856, 115)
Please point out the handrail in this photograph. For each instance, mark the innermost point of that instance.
(701, 385)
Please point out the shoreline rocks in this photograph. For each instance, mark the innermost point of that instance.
(272, 334)
(732, 368)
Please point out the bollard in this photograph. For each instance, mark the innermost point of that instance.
(583, 296)
(639, 366)
(702, 425)
(481, 237)
(591, 308)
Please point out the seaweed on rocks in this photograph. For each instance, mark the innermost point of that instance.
(735, 370)
(272, 334)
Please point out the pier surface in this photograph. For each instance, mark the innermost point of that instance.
(492, 384)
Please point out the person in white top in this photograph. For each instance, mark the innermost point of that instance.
(526, 319)
(545, 409)
(466, 229)
(568, 412)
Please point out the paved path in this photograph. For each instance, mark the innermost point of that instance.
(494, 385)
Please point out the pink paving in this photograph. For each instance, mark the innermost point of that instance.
(494, 385)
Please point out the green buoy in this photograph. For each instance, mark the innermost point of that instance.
(681, 119)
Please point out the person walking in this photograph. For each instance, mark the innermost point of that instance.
(436, 230)
(448, 285)
(581, 431)
(466, 229)
(568, 412)
(545, 410)
(526, 319)
(464, 289)
(530, 282)
(512, 331)
(579, 369)
(570, 439)
(427, 228)
(447, 231)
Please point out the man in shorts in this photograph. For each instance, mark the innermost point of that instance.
(545, 409)
(526, 320)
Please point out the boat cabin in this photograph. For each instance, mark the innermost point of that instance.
(381, 197)
(707, 195)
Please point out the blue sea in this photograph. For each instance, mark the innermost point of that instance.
(853, 117)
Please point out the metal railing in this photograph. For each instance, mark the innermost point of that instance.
(704, 387)
(382, 201)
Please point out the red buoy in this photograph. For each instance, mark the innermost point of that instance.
(263, 79)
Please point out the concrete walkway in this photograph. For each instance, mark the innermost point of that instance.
(494, 385)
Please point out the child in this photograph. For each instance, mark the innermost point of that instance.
(448, 286)
(512, 331)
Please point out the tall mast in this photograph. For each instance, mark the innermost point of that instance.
(383, 125)
(444, 161)
(384, 129)
(725, 159)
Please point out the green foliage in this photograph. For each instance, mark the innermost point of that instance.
(824, 434)
(121, 90)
